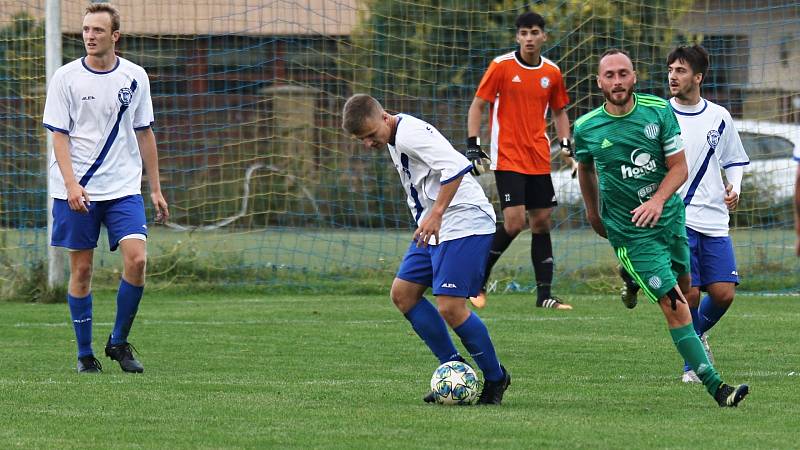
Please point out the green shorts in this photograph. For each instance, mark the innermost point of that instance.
(656, 262)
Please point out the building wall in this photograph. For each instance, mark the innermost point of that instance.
(186, 17)
(771, 78)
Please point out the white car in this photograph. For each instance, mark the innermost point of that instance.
(769, 145)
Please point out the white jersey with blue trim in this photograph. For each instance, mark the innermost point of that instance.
(426, 160)
(100, 112)
(711, 143)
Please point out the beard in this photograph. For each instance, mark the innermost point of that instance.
(683, 94)
(618, 102)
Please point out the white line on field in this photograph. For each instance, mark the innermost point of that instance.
(226, 381)
(302, 321)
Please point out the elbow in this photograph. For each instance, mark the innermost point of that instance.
(477, 106)
(473, 111)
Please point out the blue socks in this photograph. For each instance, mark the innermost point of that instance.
(709, 314)
(128, 298)
(695, 320)
(475, 337)
(704, 318)
(80, 309)
(430, 326)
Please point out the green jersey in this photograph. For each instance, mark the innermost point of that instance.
(629, 152)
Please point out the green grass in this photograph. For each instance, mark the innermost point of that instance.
(279, 371)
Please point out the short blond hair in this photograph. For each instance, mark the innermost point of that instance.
(106, 8)
(357, 110)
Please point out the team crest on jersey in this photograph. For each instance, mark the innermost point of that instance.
(545, 82)
(654, 282)
(125, 95)
(651, 130)
(713, 138)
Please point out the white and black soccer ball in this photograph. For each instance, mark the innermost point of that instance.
(455, 383)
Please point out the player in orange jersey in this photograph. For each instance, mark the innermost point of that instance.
(519, 88)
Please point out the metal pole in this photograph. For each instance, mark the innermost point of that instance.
(52, 39)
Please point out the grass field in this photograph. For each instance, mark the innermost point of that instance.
(263, 371)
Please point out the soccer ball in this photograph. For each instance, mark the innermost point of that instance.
(455, 383)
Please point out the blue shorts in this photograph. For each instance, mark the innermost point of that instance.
(453, 268)
(122, 217)
(712, 259)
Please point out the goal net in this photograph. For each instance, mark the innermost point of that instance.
(263, 185)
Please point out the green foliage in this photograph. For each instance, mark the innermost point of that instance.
(435, 49)
(22, 55)
(22, 82)
(758, 206)
(428, 48)
(21, 283)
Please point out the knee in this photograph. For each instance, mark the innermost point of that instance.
(401, 301)
(513, 227)
(693, 297)
(82, 273)
(396, 298)
(453, 313)
(540, 226)
(447, 312)
(135, 264)
(724, 298)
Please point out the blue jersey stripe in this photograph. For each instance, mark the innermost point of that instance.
(109, 142)
(414, 194)
(745, 163)
(458, 175)
(703, 168)
(98, 72)
(143, 127)
(55, 129)
(705, 105)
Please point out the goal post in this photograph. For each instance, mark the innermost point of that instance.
(53, 60)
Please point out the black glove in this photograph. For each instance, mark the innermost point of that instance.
(674, 298)
(568, 152)
(566, 147)
(479, 159)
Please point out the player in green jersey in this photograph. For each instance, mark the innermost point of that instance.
(634, 143)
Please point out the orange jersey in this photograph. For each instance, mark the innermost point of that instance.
(520, 95)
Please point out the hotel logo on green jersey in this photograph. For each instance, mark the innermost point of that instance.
(643, 163)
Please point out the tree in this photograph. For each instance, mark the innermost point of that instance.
(22, 91)
(438, 49)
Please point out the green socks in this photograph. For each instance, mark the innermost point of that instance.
(691, 349)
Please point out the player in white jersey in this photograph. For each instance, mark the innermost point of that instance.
(449, 249)
(100, 112)
(712, 144)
